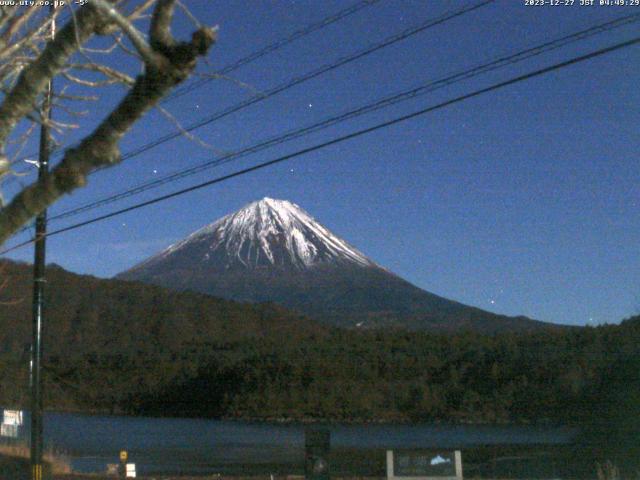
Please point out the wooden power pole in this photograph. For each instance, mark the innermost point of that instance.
(39, 263)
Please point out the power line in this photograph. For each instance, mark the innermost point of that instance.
(272, 47)
(343, 138)
(409, 32)
(382, 103)
(312, 74)
(307, 76)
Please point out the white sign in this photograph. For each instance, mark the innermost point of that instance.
(10, 431)
(424, 465)
(131, 470)
(13, 417)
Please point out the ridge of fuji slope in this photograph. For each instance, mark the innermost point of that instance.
(274, 251)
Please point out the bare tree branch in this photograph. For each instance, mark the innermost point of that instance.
(127, 50)
(170, 63)
(35, 77)
(189, 15)
(107, 50)
(76, 98)
(235, 81)
(27, 40)
(137, 39)
(110, 73)
(16, 23)
(160, 31)
(138, 12)
(176, 123)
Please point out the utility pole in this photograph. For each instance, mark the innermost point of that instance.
(35, 379)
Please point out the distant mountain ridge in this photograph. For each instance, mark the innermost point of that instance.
(273, 250)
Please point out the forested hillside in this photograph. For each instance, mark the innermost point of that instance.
(126, 347)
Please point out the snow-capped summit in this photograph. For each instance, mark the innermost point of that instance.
(273, 251)
(263, 234)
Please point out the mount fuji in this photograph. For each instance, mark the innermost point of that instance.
(273, 251)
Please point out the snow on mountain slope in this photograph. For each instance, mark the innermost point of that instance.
(274, 251)
(266, 233)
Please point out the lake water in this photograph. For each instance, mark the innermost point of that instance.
(165, 445)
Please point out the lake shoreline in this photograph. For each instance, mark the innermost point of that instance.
(543, 422)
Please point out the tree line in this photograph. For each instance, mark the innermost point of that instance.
(123, 347)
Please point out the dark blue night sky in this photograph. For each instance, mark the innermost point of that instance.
(521, 201)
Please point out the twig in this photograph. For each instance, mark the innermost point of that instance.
(188, 134)
(189, 15)
(109, 72)
(235, 81)
(137, 39)
(88, 83)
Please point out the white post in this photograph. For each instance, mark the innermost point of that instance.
(389, 464)
(458, 457)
